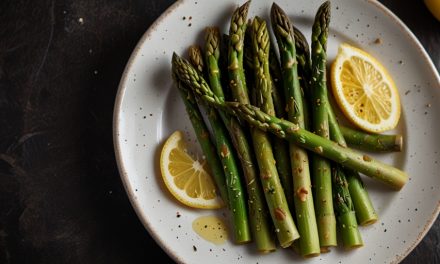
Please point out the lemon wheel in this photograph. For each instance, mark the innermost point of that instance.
(187, 178)
(364, 90)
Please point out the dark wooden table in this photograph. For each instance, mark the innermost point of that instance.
(61, 198)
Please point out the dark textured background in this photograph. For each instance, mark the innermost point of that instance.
(61, 198)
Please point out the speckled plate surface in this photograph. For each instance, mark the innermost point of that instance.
(148, 110)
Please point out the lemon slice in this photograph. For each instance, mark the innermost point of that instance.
(186, 178)
(364, 90)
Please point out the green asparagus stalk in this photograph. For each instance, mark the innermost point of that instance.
(304, 71)
(321, 169)
(275, 196)
(341, 196)
(237, 31)
(225, 151)
(290, 131)
(348, 228)
(372, 142)
(363, 206)
(281, 149)
(364, 209)
(303, 57)
(303, 198)
(203, 137)
(248, 62)
(258, 218)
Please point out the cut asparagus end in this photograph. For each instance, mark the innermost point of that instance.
(351, 237)
(398, 143)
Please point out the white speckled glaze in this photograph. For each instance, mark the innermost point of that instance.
(148, 109)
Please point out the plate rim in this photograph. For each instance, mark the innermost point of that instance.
(122, 89)
(116, 123)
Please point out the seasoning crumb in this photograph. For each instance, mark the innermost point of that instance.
(183, 18)
(190, 18)
(189, 24)
(428, 105)
(178, 214)
(81, 20)
(407, 92)
(302, 194)
(401, 62)
(378, 41)
(194, 248)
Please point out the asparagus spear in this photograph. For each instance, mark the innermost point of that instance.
(321, 169)
(259, 222)
(365, 212)
(225, 151)
(364, 209)
(290, 131)
(305, 213)
(371, 142)
(304, 70)
(203, 138)
(351, 238)
(275, 196)
(281, 149)
(237, 31)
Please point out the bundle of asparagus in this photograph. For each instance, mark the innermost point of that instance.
(323, 197)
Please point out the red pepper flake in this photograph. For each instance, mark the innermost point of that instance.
(280, 215)
(319, 149)
(302, 194)
(366, 158)
(224, 151)
(265, 176)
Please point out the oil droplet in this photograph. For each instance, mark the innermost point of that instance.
(211, 228)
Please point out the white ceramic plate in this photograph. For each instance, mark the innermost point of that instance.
(148, 109)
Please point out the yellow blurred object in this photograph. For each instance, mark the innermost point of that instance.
(434, 7)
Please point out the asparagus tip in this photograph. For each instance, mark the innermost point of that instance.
(243, 9)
